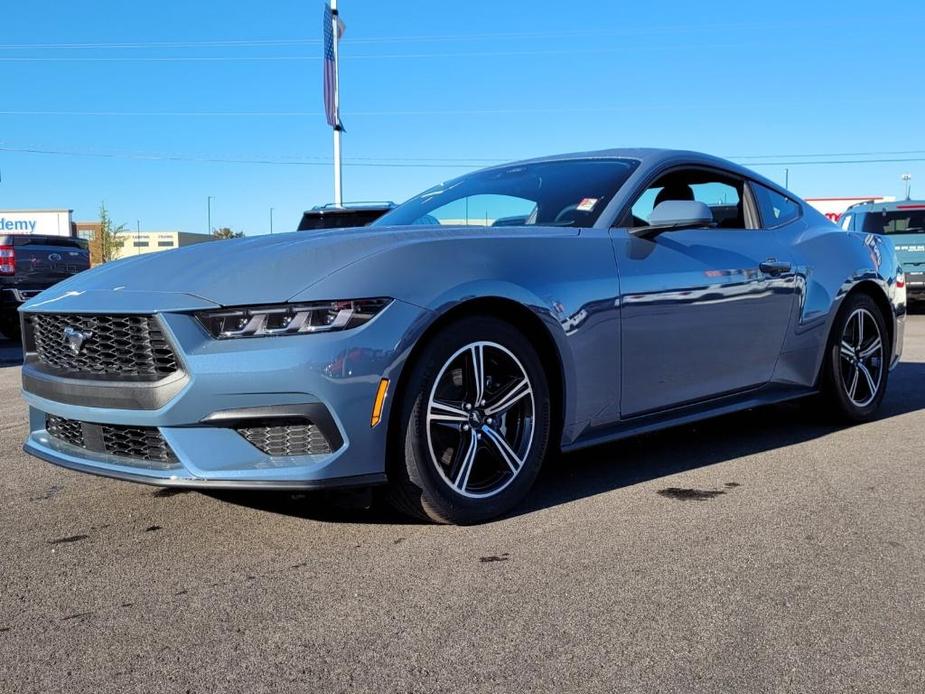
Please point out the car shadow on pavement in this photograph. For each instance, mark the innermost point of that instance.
(660, 454)
(10, 353)
(609, 467)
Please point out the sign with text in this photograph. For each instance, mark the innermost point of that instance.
(49, 222)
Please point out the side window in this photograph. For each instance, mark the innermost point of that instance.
(846, 221)
(775, 209)
(723, 196)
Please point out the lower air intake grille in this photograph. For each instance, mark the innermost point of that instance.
(145, 443)
(136, 443)
(299, 438)
(68, 430)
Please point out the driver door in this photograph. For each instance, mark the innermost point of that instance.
(704, 311)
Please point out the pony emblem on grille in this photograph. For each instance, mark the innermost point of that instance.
(75, 338)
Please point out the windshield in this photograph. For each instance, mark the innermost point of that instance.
(910, 221)
(569, 193)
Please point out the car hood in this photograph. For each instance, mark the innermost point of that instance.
(261, 269)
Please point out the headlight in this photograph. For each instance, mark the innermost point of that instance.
(289, 319)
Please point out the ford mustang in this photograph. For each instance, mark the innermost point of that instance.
(450, 347)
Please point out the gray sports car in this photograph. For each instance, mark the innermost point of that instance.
(446, 350)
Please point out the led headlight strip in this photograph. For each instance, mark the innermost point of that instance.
(289, 319)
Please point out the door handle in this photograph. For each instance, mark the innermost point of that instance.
(773, 266)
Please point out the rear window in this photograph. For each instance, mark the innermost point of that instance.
(59, 241)
(895, 222)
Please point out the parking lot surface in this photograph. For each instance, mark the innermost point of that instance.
(768, 551)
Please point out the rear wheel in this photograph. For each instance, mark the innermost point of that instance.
(474, 424)
(856, 368)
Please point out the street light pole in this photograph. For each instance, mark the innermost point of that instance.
(137, 236)
(907, 179)
(209, 200)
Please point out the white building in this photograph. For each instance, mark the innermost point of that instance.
(50, 222)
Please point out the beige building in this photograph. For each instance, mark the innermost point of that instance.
(135, 243)
(138, 242)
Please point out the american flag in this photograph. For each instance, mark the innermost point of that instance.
(330, 68)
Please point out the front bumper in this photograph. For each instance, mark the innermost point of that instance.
(227, 381)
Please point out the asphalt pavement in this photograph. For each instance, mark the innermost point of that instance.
(767, 551)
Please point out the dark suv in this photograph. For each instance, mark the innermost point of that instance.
(30, 263)
(351, 214)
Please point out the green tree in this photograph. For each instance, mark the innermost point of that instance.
(227, 233)
(108, 241)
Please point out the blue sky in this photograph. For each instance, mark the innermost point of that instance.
(430, 89)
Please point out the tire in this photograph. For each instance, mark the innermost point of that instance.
(460, 457)
(859, 347)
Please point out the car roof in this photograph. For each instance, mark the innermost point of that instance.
(652, 157)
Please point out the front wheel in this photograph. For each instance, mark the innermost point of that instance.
(474, 425)
(856, 368)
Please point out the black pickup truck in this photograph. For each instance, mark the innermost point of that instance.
(30, 263)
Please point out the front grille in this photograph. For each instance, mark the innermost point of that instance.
(297, 438)
(137, 443)
(115, 347)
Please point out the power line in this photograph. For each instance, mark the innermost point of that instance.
(632, 108)
(410, 39)
(164, 59)
(843, 161)
(385, 162)
(230, 160)
(669, 47)
(825, 154)
(672, 47)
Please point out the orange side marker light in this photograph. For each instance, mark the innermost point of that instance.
(380, 401)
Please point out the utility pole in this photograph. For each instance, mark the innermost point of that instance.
(271, 220)
(787, 179)
(907, 179)
(137, 236)
(209, 200)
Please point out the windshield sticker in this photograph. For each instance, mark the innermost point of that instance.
(587, 204)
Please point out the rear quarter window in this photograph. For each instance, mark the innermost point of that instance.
(775, 209)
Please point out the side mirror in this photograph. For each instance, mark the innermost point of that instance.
(673, 215)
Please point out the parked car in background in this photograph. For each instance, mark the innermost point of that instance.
(30, 263)
(351, 214)
(527, 308)
(904, 224)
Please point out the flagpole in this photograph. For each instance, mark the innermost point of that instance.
(338, 180)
